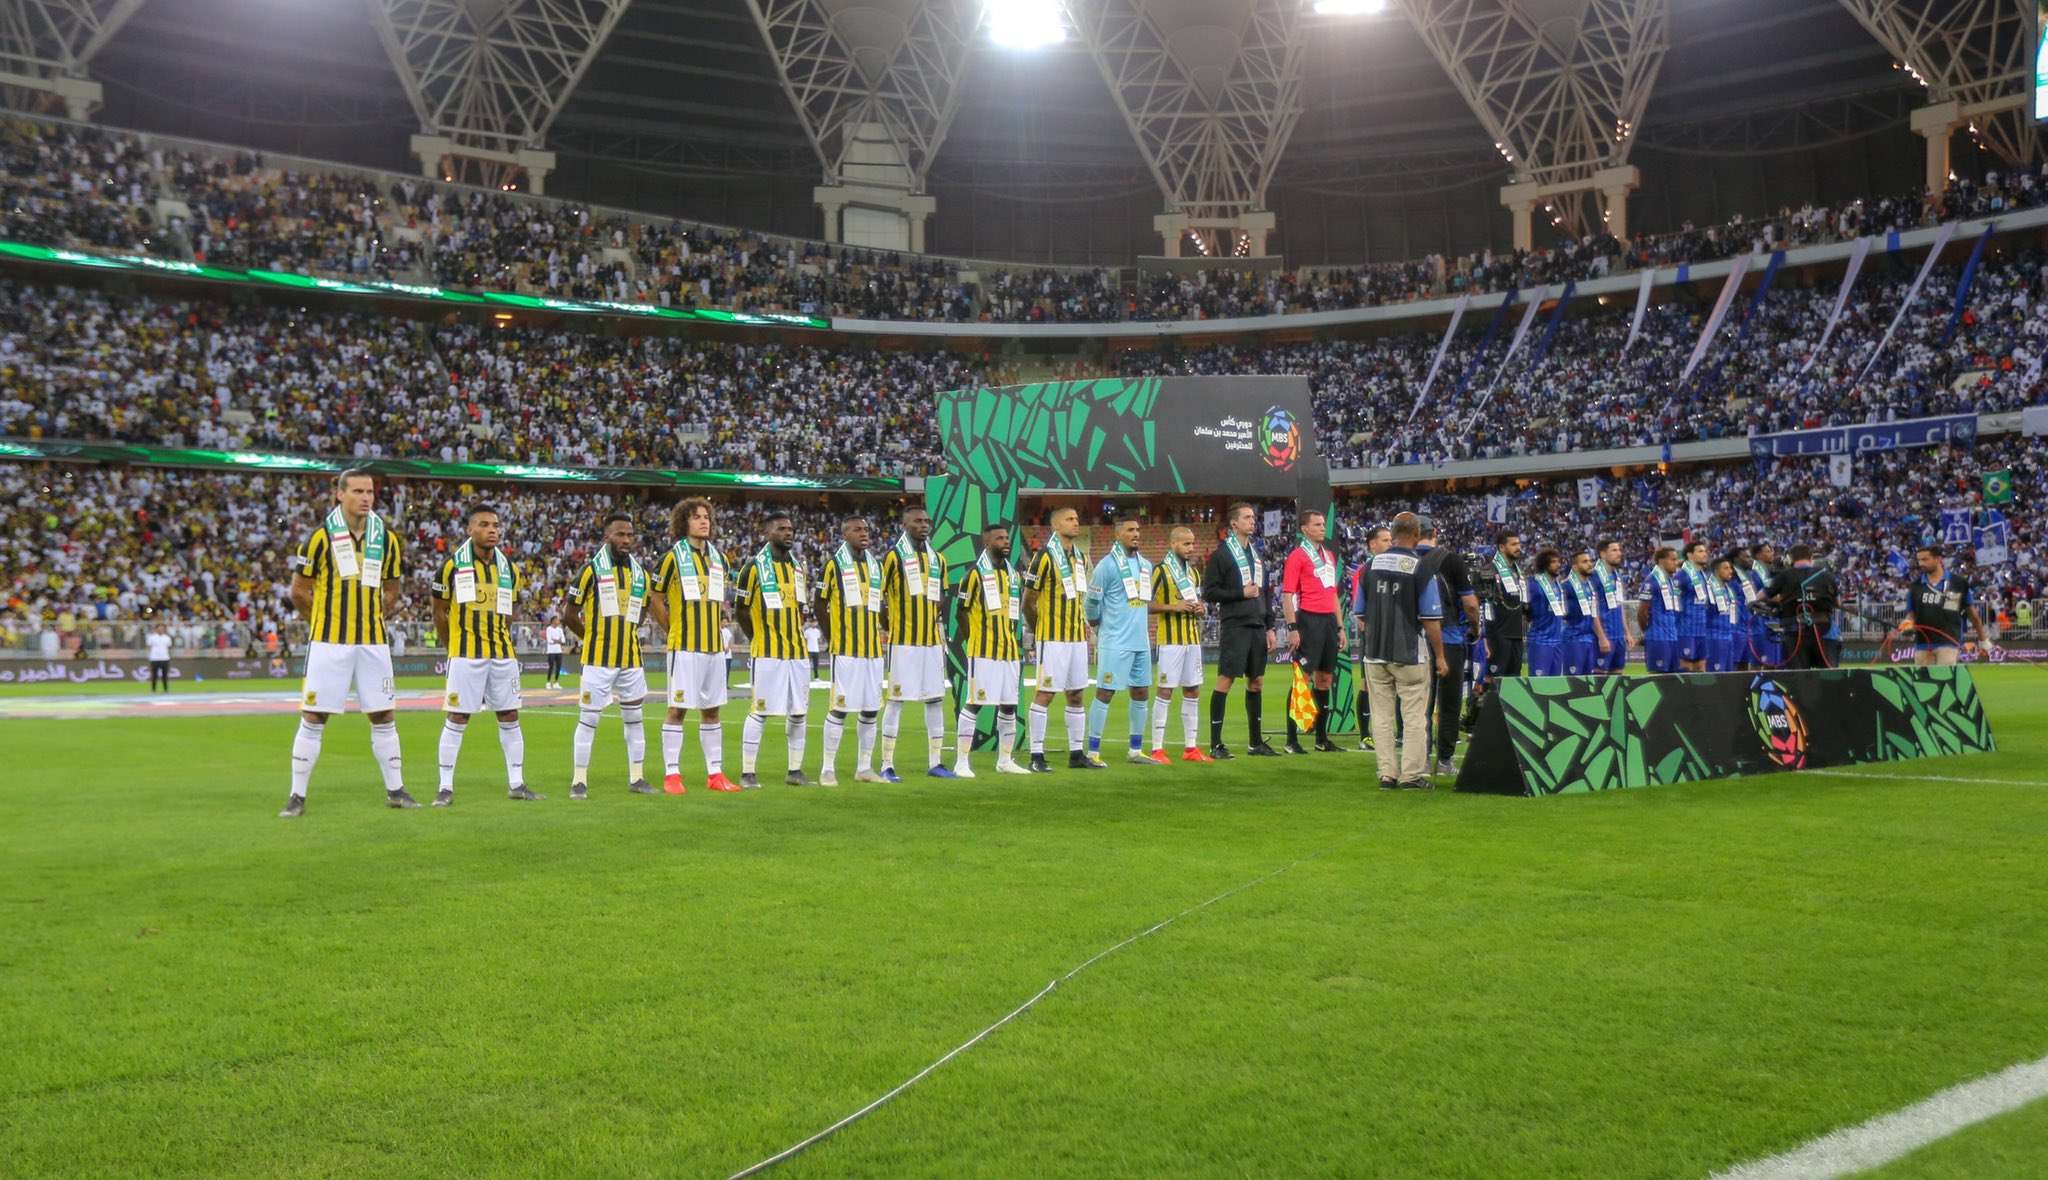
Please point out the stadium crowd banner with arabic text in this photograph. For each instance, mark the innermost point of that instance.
(1865, 438)
(264, 461)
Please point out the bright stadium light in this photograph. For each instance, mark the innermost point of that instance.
(1350, 7)
(1025, 24)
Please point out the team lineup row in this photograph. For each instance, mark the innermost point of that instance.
(889, 608)
(877, 607)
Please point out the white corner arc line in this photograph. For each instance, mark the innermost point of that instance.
(800, 1145)
(1887, 1137)
(1931, 778)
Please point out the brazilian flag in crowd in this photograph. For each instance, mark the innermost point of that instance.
(1998, 487)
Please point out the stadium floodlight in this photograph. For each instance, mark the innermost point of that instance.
(1025, 24)
(1350, 7)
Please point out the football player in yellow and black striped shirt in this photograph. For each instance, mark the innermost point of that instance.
(914, 588)
(1055, 598)
(1177, 611)
(773, 591)
(850, 598)
(345, 579)
(610, 593)
(690, 585)
(474, 593)
(991, 609)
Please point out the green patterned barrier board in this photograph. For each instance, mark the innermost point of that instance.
(1246, 436)
(1559, 735)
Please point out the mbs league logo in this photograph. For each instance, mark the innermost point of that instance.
(1779, 724)
(1279, 439)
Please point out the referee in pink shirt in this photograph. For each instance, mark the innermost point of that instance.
(1308, 600)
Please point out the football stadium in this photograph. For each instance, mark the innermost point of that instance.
(1396, 588)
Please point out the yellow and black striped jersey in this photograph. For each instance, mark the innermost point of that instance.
(915, 620)
(778, 631)
(343, 612)
(476, 631)
(853, 630)
(1175, 630)
(1059, 617)
(694, 623)
(607, 642)
(991, 635)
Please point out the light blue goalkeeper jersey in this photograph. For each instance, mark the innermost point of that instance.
(1120, 623)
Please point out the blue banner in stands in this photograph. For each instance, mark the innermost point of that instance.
(1550, 329)
(1486, 341)
(1955, 314)
(1756, 300)
(1870, 436)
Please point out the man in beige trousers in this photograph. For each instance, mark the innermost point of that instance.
(1403, 606)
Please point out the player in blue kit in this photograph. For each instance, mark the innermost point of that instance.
(1613, 595)
(1695, 584)
(1727, 618)
(1753, 566)
(1584, 633)
(1120, 605)
(1549, 609)
(1662, 613)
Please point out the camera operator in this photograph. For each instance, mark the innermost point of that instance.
(1805, 597)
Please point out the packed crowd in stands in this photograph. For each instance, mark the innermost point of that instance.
(1585, 391)
(1867, 531)
(83, 548)
(86, 365)
(67, 184)
(83, 545)
(77, 364)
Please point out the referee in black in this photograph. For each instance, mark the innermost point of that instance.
(1235, 581)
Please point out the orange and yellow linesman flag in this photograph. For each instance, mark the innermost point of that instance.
(1301, 702)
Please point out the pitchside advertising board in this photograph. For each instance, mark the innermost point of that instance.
(1224, 436)
(1556, 735)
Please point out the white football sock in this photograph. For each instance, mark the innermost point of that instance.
(1190, 719)
(1077, 728)
(384, 744)
(636, 742)
(1039, 714)
(512, 740)
(835, 732)
(750, 742)
(451, 748)
(711, 736)
(864, 742)
(1006, 736)
(586, 737)
(935, 731)
(892, 720)
(305, 753)
(672, 748)
(965, 743)
(799, 732)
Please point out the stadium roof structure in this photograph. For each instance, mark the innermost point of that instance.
(1208, 108)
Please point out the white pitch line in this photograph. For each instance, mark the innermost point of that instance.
(1887, 1137)
(1931, 778)
(800, 1145)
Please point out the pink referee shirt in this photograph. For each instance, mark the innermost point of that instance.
(1299, 578)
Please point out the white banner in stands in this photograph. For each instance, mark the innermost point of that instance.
(1941, 237)
(1856, 257)
(1738, 267)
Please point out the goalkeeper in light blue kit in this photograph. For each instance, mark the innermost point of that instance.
(1120, 605)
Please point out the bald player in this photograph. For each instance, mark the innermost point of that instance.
(1177, 610)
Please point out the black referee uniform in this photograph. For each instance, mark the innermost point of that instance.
(1244, 623)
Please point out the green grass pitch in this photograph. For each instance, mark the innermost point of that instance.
(1651, 983)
